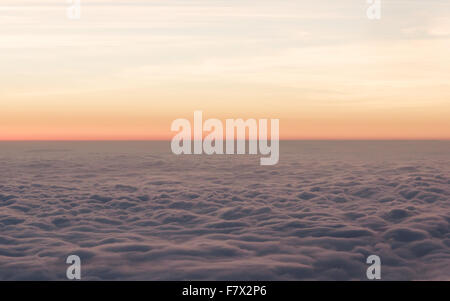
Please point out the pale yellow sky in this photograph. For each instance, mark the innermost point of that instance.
(127, 69)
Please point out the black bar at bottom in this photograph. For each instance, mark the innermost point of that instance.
(224, 290)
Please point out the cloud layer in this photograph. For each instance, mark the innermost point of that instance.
(133, 211)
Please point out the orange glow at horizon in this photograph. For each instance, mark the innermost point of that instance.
(301, 128)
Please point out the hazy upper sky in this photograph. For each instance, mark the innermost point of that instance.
(126, 69)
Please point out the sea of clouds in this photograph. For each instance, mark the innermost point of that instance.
(135, 211)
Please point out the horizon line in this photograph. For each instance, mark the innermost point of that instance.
(224, 140)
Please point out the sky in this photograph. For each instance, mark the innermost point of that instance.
(126, 69)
